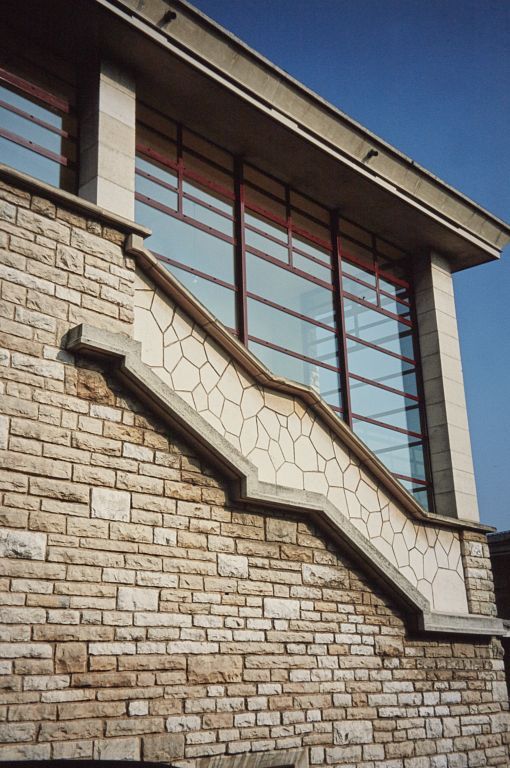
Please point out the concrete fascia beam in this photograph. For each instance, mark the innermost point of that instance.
(246, 488)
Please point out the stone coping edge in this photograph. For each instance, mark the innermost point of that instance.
(246, 488)
(68, 200)
(186, 301)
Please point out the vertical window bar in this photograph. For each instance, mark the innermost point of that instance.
(376, 269)
(288, 217)
(421, 398)
(240, 252)
(180, 169)
(336, 263)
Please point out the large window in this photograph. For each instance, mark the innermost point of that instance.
(317, 299)
(37, 119)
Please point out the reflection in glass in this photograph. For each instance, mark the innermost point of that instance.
(324, 381)
(216, 298)
(287, 289)
(379, 329)
(156, 192)
(402, 454)
(381, 405)
(291, 333)
(372, 364)
(27, 161)
(187, 244)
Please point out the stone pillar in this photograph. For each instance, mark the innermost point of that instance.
(450, 446)
(107, 140)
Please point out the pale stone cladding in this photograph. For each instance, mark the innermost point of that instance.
(155, 608)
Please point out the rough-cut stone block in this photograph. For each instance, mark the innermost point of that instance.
(233, 565)
(117, 749)
(281, 530)
(324, 576)
(389, 646)
(137, 599)
(163, 747)
(353, 732)
(110, 504)
(71, 657)
(214, 669)
(23, 544)
(275, 608)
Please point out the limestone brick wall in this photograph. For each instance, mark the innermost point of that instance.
(142, 615)
(478, 573)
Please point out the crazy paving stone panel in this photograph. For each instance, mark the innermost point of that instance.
(291, 447)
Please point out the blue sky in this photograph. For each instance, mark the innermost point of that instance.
(433, 79)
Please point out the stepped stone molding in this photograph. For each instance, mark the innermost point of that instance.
(124, 354)
(292, 444)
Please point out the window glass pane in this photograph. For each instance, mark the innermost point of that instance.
(269, 204)
(402, 454)
(283, 287)
(262, 180)
(291, 332)
(208, 171)
(308, 206)
(362, 291)
(208, 217)
(311, 248)
(324, 381)
(208, 196)
(185, 243)
(216, 298)
(208, 150)
(370, 325)
(30, 131)
(155, 169)
(357, 233)
(264, 244)
(375, 365)
(311, 267)
(395, 306)
(156, 192)
(348, 247)
(26, 161)
(418, 491)
(355, 271)
(34, 109)
(381, 405)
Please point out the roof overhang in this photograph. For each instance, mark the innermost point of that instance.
(210, 80)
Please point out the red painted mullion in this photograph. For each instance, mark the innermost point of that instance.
(240, 252)
(60, 159)
(339, 307)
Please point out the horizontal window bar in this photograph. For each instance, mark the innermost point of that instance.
(194, 271)
(34, 119)
(289, 268)
(156, 180)
(34, 90)
(182, 217)
(60, 159)
(289, 352)
(292, 312)
(414, 480)
(380, 349)
(345, 255)
(381, 310)
(364, 380)
(387, 426)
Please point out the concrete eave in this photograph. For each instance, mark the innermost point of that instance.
(450, 222)
(203, 76)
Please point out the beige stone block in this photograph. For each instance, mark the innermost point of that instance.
(213, 668)
(111, 504)
(71, 657)
(117, 749)
(349, 732)
(22, 544)
(281, 530)
(235, 566)
(163, 747)
(277, 608)
(137, 599)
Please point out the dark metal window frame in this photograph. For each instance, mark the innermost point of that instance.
(339, 256)
(48, 100)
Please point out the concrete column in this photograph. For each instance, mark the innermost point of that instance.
(107, 140)
(450, 446)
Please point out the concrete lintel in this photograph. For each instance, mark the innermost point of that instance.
(246, 487)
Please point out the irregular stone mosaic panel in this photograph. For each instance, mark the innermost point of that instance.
(290, 446)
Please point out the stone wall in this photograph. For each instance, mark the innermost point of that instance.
(144, 615)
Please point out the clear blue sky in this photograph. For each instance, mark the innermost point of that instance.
(432, 77)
